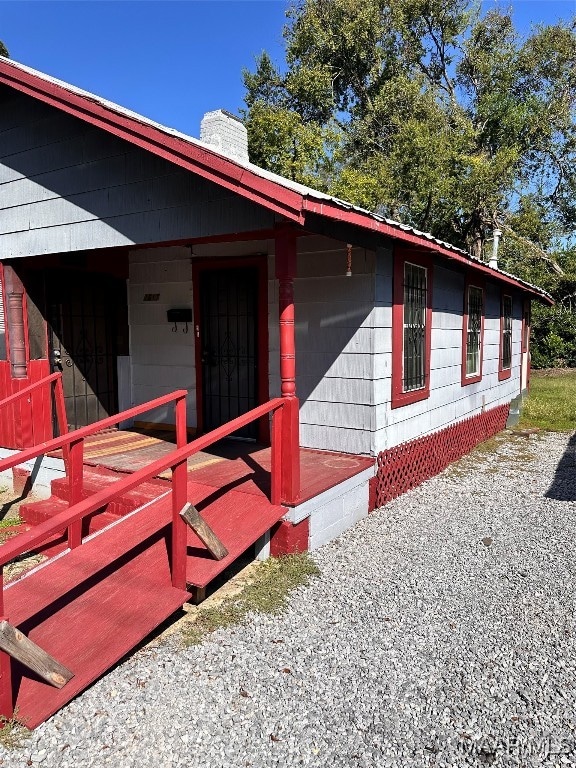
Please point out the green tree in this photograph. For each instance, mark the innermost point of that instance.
(426, 111)
(4, 50)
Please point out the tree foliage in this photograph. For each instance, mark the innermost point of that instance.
(4, 50)
(433, 113)
(424, 110)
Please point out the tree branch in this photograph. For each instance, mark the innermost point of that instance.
(535, 249)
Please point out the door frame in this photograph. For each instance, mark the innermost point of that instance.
(53, 332)
(201, 265)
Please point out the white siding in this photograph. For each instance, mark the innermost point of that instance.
(343, 344)
(161, 360)
(449, 401)
(335, 317)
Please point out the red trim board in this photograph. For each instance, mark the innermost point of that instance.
(399, 397)
(289, 203)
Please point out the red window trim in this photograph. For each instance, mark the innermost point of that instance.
(399, 397)
(505, 373)
(526, 327)
(472, 282)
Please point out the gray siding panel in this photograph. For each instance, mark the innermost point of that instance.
(65, 186)
(449, 401)
(335, 317)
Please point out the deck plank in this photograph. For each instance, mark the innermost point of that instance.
(239, 520)
(89, 607)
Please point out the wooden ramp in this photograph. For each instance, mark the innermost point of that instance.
(91, 606)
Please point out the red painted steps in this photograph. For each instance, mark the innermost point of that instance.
(92, 605)
(95, 480)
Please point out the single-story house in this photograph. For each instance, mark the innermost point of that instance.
(138, 261)
(161, 282)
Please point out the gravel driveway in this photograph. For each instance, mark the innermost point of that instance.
(441, 632)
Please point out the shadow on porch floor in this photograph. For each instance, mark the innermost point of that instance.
(243, 466)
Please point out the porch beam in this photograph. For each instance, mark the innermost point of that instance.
(285, 258)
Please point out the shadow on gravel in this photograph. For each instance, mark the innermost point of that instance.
(563, 486)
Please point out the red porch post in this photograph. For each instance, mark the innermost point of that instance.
(285, 253)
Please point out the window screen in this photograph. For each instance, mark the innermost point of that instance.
(415, 301)
(506, 333)
(474, 331)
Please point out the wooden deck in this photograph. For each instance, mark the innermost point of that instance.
(115, 589)
(230, 464)
(108, 595)
(91, 605)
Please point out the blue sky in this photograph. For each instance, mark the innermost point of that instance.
(171, 60)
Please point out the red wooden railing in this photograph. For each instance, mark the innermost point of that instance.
(27, 428)
(71, 519)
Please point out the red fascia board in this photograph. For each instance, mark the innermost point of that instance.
(330, 210)
(202, 161)
(213, 167)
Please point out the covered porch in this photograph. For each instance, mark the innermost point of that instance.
(231, 356)
(229, 464)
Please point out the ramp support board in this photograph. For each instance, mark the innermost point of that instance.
(21, 648)
(194, 520)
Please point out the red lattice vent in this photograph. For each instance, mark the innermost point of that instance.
(407, 465)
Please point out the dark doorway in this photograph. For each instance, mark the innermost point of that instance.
(83, 316)
(229, 346)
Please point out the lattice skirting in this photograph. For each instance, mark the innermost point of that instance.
(407, 465)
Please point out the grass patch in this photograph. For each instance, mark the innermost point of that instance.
(551, 403)
(9, 522)
(6, 525)
(12, 732)
(275, 578)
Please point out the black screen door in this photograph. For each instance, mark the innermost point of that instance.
(83, 334)
(228, 310)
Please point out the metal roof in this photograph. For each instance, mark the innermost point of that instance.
(53, 91)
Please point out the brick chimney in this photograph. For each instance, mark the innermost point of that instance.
(226, 133)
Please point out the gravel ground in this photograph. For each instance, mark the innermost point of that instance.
(441, 633)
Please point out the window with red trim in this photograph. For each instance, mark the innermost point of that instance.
(411, 328)
(505, 367)
(472, 334)
(526, 323)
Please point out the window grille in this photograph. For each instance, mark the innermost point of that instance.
(415, 301)
(506, 333)
(474, 331)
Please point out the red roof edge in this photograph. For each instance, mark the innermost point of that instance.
(289, 203)
(366, 221)
(192, 157)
